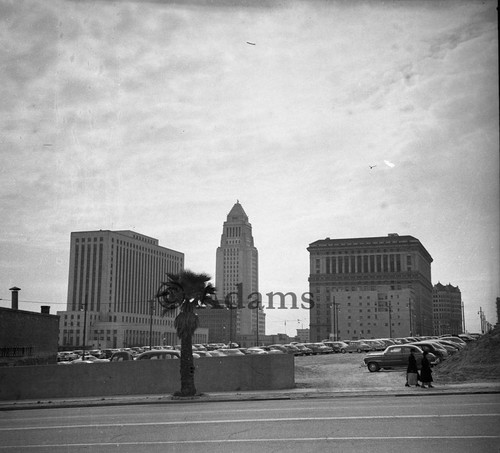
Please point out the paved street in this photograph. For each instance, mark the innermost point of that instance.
(420, 423)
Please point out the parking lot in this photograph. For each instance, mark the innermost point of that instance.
(343, 371)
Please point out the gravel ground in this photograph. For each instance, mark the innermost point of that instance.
(343, 371)
(478, 362)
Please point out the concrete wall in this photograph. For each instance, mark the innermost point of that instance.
(215, 374)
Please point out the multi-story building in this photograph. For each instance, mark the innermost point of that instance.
(113, 280)
(370, 287)
(236, 280)
(447, 309)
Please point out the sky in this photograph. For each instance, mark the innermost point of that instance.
(335, 119)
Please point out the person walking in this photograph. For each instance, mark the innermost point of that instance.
(426, 372)
(412, 370)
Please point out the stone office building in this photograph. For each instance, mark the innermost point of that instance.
(236, 279)
(370, 288)
(447, 309)
(113, 280)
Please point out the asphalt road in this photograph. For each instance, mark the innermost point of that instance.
(420, 423)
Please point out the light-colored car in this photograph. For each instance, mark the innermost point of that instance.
(159, 354)
(256, 351)
(89, 359)
(203, 354)
(456, 340)
(217, 353)
(281, 347)
(451, 347)
(232, 352)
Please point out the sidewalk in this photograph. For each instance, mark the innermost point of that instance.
(296, 393)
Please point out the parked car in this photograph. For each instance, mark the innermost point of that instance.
(281, 348)
(107, 353)
(395, 357)
(318, 348)
(66, 356)
(335, 346)
(271, 350)
(456, 340)
(232, 352)
(203, 354)
(303, 349)
(356, 346)
(375, 345)
(89, 359)
(159, 354)
(387, 342)
(435, 348)
(216, 353)
(121, 356)
(255, 351)
(451, 347)
(293, 349)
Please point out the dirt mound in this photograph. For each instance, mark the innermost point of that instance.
(478, 361)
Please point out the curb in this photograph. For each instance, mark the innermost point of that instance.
(291, 394)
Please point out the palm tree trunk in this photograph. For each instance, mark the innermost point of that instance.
(187, 367)
(186, 324)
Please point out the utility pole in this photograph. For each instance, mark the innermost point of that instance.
(151, 307)
(390, 318)
(257, 327)
(481, 318)
(463, 318)
(84, 327)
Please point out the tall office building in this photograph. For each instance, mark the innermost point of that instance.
(370, 288)
(447, 309)
(113, 278)
(236, 275)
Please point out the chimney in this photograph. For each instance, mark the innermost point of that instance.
(45, 309)
(15, 297)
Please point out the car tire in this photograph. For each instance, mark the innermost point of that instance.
(359, 350)
(343, 351)
(373, 367)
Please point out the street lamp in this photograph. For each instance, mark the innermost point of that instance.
(411, 316)
(151, 309)
(389, 305)
(84, 327)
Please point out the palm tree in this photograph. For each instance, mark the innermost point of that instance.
(187, 291)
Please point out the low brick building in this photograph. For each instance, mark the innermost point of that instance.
(28, 338)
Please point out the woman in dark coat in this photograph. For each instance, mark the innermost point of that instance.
(426, 372)
(412, 370)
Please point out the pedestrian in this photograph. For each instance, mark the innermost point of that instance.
(426, 372)
(412, 370)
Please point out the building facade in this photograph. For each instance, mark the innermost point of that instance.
(113, 279)
(447, 309)
(370, 288)
(28, 338)
(237, 278)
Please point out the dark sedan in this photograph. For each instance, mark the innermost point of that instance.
(395, 357)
